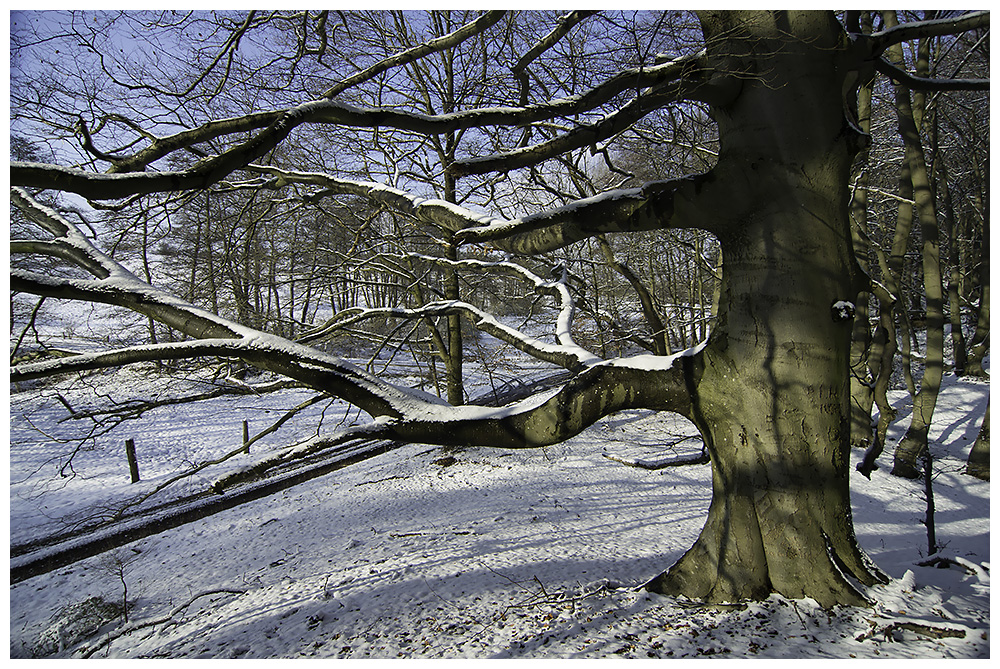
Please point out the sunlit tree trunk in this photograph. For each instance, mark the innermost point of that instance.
(915, 440)
(773, 399)
(953, 231)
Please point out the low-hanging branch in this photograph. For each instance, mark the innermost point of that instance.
(405, 415)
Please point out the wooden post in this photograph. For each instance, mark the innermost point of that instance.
(246, 437)
(133, 464)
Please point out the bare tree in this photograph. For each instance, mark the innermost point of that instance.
(908, 256)
(768, 390)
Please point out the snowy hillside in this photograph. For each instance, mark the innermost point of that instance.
(475, 553)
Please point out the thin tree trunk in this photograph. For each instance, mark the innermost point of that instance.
(952, 234)
(649, 311)
(862, 378)
(914, 441)
(980, 344)
(978, 464)
(895, 276)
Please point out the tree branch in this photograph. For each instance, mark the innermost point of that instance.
(313, 368)
(566, 23)
(567, 353)
(690, 82)
(913, 82)
(655, 205)
(85, 362)
(480, 25)
(88, 651)
(204, 133)
(275, 126)
(881, 41)
(647, 382)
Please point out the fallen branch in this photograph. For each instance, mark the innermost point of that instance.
(55, 552)
(942, 562)
(700, 459)
(924, 629)
(128, 629)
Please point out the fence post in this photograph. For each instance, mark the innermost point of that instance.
(246, 437)
(133, 464)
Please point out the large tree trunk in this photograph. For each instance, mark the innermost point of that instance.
(773, 399)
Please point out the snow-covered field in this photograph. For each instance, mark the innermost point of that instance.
(474, 553)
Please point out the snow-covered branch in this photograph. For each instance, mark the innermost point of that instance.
(558, 288)
(656, 205)
(567, 353)
(120, 287)
(652, 382)
(128, 356)
(653, 206)
(402, 414)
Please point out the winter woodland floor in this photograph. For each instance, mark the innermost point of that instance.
(477, 553)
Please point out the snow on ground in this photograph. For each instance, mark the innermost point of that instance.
(473, 553)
